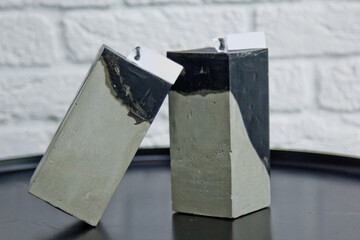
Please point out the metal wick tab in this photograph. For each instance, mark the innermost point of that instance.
(222, 44)
(137, 55)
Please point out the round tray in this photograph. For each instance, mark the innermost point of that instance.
(314, 196)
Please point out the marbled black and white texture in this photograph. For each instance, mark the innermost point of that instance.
(99, 136)
(219, 132)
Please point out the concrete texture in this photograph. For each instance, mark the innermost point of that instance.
(200, 157)
(215, 170)
(47, 46)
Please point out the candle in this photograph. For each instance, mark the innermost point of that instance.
(219, 132)
(102, 131)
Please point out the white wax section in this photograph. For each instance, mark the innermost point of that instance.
(239, 41)
(156, 64)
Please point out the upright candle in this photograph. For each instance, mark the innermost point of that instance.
(219, 132)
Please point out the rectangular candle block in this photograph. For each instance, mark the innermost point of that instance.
(219, 133)
(99, 136)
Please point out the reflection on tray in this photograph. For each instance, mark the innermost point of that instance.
(253, 226)
(81, 231)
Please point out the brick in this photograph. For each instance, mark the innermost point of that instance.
(339, 85)
(161, 29)
(42, 97)
(159, 2)
(11, 3)
(85, 32)
(310, 28)
(285, 130)
(352, 118)
(72, 4)
(235, 1)
(25, 40)
(289, 86)
(25, 138)
(324, 132)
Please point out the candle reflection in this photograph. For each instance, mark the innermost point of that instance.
(253, 226)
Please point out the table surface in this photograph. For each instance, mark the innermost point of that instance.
(306, 204)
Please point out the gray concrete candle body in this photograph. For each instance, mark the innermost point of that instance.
(219, 133)
(99, 136)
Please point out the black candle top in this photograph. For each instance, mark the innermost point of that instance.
(138, 89)
(244, 73)
(206, 70)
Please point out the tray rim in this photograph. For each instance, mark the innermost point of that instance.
(146, 157)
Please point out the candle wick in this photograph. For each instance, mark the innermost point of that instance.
(222, 44)
(137, 55)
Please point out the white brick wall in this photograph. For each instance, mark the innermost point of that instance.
(46, 47)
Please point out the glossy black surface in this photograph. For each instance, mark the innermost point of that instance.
(138, 89)
(306, 204)
(244, 73)
(250, 86)
(204, 72)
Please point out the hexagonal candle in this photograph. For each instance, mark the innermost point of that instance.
(219, 132)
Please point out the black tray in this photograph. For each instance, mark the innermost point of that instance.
(314, 196)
